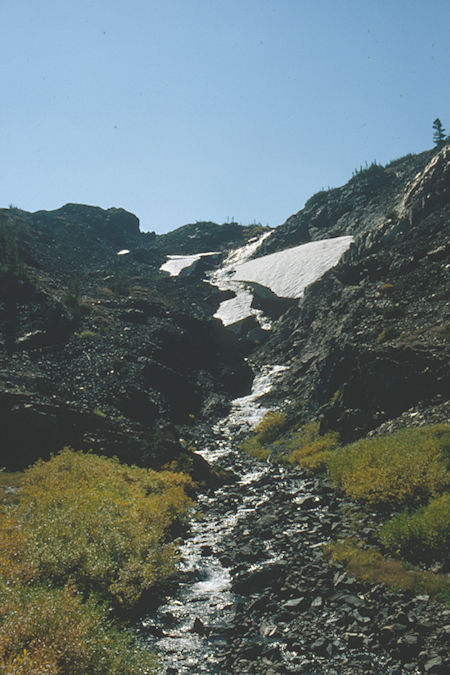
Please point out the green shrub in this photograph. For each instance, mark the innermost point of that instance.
(406, 467)
(311, 450)
(387, 287)
(95, 521)
(422, 535)
(253, 447)
(369, 565)
(85, 334)
(304, 447)
(270, 426)
(53, 631)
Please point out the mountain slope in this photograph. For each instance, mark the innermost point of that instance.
(369, 340)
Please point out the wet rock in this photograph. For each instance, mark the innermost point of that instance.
(199, 627)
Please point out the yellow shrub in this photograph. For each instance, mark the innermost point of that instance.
(423, 535)
(253, 447)
(369, 565)
(311, 450)
(96, 521)
(54, 632)
(270, 426)
(405, 467)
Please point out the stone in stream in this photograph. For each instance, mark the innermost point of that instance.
(199, 627)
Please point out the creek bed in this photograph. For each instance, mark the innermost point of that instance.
(256, 594)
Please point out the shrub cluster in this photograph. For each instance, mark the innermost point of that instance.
(310, 449)
(83, 525)
(269, 429)
(53, 631)
(423, 534)
(406, 467)
(368, 564)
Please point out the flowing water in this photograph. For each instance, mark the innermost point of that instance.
(204, 597)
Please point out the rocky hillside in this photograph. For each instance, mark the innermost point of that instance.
(98, 348)
(369, 340)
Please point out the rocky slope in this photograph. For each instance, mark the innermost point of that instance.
(369, 340)
(100, 349)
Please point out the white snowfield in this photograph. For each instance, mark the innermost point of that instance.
(175, 263)
(287, 273)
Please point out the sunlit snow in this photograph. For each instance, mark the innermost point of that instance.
(288, 272)
(239, 307)
(175, 263)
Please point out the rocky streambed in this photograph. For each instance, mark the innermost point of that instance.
(256, 594)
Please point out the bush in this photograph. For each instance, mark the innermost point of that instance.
(387, 288)
(423, 535)
(369, 565)
(270, 426)
(90, 519)
(304, 447)
(53, 631)
(406, 467)
(311, 450)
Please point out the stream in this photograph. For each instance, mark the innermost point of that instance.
(195, 620)
(255, 592)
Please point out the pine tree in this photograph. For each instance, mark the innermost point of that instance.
(439, 133)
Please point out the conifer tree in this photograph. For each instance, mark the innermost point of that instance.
(439, 133)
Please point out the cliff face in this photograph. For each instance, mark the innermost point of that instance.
(369, 340)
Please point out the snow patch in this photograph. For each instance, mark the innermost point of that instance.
(287, 273)
(175, 263)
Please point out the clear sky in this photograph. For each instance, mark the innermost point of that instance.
(185, 110)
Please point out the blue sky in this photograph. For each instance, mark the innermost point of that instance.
(186, 110)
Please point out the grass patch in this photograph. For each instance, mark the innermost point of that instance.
(270, 428)
(86, 334)
(406, 467)
(95, 521)
(371, 566)
(422, 535)
(388, 333)
(97, 411)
